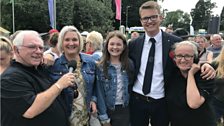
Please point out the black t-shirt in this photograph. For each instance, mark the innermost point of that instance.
(179, 112)
(19, 87)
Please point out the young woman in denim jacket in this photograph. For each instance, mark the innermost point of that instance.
(70, 44)
(113, 77)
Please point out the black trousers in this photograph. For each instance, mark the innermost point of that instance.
(119, 116)
(143, 109)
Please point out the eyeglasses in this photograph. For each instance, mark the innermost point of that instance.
(152, 18)
(186, 57)
(34, 48)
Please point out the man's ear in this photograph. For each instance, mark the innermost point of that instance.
(16, 49)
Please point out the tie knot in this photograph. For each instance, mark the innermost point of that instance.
(152, 40)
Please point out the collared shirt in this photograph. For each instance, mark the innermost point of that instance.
(157, 86)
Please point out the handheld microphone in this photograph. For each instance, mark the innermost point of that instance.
(71, 67)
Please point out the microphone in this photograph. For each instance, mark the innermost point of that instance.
(72, 66)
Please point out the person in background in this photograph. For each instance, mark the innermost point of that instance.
(216, 45)
(46, 38)
(151, 104)
(204, 54)
(169, 29)
(52, 53)
(84, 35)
(28, 95)
(208, 43)
(188, 95)
(114, 73)
(134, 35)
(218, 99)
(6, 52)
(94, 44)
(78, 108)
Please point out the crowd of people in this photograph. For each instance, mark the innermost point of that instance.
(157, 78)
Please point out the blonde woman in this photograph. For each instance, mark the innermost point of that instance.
(204, 55)
(218, 99)
(6, 52)
(94, 43)
(70, 43)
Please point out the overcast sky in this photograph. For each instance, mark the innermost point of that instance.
(187, 5)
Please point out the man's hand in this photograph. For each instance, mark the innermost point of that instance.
(207, 71)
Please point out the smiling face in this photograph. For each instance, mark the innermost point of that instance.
(216, 41)
(201, 42)
(5, 57)
(71, 43)
(152, 25)
(184, 57)
(115, 47)
(30, 53)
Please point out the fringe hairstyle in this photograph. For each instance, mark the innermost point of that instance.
(106, 55)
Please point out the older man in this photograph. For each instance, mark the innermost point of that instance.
(216, 46)
(28, 96)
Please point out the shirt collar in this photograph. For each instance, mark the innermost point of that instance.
(157, 37)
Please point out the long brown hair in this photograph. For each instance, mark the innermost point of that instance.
(106, 55)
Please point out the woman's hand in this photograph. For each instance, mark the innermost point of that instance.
(207, 71)
(194, 68)
(93, 107)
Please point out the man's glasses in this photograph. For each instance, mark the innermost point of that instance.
(186, 57)
(34, 48)
(152, 18)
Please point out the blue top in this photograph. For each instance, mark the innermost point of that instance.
(60, 68)
(106, 89)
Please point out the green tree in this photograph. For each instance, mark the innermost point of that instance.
(201, 14)
(29, 14)
(64, 13)
(93, 15)
(178, 19)
(133, 12)
(33, 14)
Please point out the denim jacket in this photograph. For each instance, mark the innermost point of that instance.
(106, 88)
(60, 67)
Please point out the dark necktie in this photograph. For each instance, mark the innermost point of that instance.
(149, 68)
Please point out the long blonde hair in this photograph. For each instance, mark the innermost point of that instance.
(220, 61)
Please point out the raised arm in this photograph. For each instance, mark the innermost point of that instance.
(44, 99)
(194, 99)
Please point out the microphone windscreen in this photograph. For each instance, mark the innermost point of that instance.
(72, 64)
